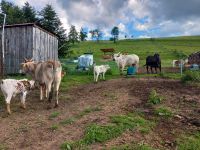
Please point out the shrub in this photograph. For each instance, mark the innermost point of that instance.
(191, 76)
(164, 111)
(154, 98)
(54, 127)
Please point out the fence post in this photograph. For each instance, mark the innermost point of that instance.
(3, 48)
(181, 67)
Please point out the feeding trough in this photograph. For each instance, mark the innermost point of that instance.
(107, 52)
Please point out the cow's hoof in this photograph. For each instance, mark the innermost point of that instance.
(23, 106)
(56, 105)
(49, 107)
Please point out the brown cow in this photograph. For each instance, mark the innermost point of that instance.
(47, 74)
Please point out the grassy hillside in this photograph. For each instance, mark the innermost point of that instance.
(168, 48)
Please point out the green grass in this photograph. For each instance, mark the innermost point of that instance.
(133, 146)
(164, 111)
(54, 127)
(68, 121)
(101, 133)
(189, 142)
(80, 115)
(3, 147)
(2, 101)
(87, 111)
(154, 97)
(168, 48)
(54, 115)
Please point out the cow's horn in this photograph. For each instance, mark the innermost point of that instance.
(25, 59)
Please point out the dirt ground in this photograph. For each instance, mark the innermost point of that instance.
(31, 128)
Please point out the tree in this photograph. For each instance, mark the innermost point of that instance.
(50, 21)
(96, 34)
(14, 13)
(29, 13)
(83, 35)
(73, 35)
(115, 33)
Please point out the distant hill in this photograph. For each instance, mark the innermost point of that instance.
(169, 48)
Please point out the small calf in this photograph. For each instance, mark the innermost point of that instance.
(11, 87)
(102, 69)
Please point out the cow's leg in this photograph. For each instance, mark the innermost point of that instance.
(44, 90)
(23, 98)
(103, 74)
(122, 70)
(49, 91)
(97, 76)
(56, 87)
(8, 99)
(147, 67)
(41, 92)
(94, 76)
(156, 69)
(160, 68)
(137, 67)
(151, 70)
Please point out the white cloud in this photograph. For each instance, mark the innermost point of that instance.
(144, 36)
(176, 17)
(142, 27)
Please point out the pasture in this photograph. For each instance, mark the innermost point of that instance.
(145, 112)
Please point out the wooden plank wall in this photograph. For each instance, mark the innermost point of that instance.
(28, 42)
(45, 46)
(18, 45)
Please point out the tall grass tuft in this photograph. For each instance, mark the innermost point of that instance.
(191, 76)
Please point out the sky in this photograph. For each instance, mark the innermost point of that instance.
(135, 18)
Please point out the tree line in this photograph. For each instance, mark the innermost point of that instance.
(48, 19)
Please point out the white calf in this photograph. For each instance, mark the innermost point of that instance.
(11, 87)
(102, 69)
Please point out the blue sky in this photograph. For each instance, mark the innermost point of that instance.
(137, 18)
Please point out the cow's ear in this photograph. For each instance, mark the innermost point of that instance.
(118, 54)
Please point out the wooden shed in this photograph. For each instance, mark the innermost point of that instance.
(27, 41)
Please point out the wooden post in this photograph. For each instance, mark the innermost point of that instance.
(2, 46)
(3, 49)
(181, 67)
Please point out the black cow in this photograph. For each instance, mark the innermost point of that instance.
(153, 62)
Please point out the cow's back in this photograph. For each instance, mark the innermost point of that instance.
(131, 59)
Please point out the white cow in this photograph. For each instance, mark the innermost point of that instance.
(102, 69)
(48, 74)
(11, 87)
(179, 62)
(126, 60)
